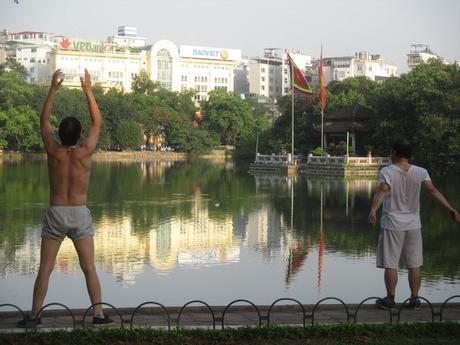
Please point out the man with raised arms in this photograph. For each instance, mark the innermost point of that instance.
(69, 167)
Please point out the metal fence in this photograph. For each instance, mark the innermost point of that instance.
(348, 314)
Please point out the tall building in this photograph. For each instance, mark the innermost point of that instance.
(421, 53)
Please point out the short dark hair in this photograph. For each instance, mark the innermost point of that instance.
(402, 148)
(69, 131)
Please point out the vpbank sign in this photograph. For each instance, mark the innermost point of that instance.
(82, 45)
(210, 53)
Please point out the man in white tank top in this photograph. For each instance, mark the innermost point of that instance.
(400, 226)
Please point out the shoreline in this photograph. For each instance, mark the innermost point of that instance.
(113, 156)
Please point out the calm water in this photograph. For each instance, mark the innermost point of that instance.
(173, 232)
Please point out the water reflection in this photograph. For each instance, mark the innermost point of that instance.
(173, 217)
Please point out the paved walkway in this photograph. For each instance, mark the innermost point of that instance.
(237, 315)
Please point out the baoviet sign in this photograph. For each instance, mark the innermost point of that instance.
(82, 45)
(210, 53)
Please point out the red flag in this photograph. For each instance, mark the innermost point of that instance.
(299, 84)
(322, 84)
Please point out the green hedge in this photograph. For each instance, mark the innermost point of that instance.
(416, 333)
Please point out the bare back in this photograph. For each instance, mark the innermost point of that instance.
(69, 166)
(69, 171)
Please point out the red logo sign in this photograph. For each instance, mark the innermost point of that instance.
(65, 43)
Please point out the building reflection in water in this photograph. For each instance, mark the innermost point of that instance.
(198, 240)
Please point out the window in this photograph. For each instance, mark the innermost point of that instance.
(262, 70)
(262, 88)
(262, 78)
(33, 50)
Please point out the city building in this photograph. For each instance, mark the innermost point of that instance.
(127, 37)
(205, 69)
(365, 64)
(115, 61)
(31, 50)
(108, 65)
(269, 75)
(421, 53)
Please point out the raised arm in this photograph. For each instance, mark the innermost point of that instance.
(377, 202)
(93, 134)
(440, 199)
(45, 125)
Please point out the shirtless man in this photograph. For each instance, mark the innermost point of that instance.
(69, 166)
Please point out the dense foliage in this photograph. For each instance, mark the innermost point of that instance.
(422, 106)
(130, 120)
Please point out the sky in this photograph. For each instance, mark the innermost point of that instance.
(385, 27)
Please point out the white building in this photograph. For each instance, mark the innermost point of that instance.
(108, 65)
(269, 75)
(30, 49)
(115, 61)
(35, 58)
(362, 64)
(421, 53)
(127, 37)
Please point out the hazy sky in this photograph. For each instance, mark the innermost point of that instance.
(387, 27)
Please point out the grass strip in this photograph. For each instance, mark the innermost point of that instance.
(380, 334)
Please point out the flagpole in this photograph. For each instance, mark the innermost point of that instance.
(292, 113)
(322, 105)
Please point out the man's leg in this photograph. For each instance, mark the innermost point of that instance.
(413, 258)
(48, 251)
(85, 251)
(391, 279)
(415, 280)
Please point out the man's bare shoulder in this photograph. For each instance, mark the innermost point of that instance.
(69, 153)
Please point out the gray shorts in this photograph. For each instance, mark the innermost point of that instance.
(72, 221)
(394, 245)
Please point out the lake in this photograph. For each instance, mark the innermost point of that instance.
(177, 231)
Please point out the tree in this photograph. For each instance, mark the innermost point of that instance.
(128, 135)
(11, 65)
(14, 90)
(143, 84)
(22, 128)
(228, 115)
(424, 107)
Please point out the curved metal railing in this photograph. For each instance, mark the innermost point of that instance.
(394, 314)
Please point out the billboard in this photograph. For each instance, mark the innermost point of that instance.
(209, 53)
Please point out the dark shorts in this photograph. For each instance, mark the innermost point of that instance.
(72, 221)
